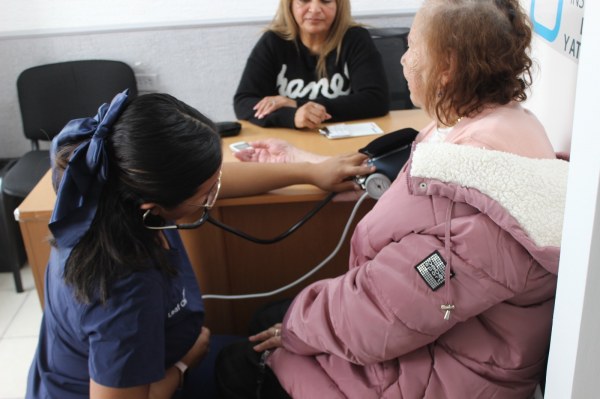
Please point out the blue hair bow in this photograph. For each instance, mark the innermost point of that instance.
(81, 185)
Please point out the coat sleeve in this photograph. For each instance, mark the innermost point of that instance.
(369, 94)
(258, 81)
(383, 308)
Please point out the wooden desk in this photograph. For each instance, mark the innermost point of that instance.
(226, 264)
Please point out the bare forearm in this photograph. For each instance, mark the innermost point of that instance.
(244, 179)
(165, 388)
(333, 174)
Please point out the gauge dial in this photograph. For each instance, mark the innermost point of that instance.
(376, 184)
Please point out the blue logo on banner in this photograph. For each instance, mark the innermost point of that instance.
(544, 31)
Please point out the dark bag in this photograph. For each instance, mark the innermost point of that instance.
(267, 315)
(240, 371)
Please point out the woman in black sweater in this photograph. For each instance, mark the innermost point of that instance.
(313, 64)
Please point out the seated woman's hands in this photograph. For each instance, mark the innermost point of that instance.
(311, 115)
(276, 151)
(271, 104)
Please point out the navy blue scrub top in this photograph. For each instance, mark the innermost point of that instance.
(149, 322)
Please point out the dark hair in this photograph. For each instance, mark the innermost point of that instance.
(161, 150)
(484, 44)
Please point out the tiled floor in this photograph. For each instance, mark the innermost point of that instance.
(20, 316)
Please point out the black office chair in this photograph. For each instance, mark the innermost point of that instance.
(392, 43)
(49, 96)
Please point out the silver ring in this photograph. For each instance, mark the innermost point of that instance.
(277, 332)
(273, 102)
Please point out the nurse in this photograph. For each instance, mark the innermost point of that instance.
(123, 313)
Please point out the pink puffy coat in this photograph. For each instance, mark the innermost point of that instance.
(451, 284)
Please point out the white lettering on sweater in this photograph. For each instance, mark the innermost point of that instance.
(297, 88)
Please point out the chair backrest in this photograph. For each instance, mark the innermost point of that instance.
(392, 44)
(53, 94)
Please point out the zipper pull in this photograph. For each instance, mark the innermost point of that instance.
(447, 309)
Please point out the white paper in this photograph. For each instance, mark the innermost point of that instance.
(343, 130)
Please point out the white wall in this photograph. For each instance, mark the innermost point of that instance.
(575, 348)
(18, 17)
(552, 98)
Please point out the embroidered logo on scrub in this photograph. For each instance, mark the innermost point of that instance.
(180, 305)
(432, 270)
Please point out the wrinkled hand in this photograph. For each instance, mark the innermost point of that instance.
(337, 173)
(268, 339)
(270, 104)
(199, 349)
(311, 115)
(276, 151)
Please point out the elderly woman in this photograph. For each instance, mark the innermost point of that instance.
(452, 275)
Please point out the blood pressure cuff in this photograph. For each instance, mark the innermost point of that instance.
(388, 153)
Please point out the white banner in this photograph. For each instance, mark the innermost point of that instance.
(560, 23)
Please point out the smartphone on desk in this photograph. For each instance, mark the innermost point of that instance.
(239, 146)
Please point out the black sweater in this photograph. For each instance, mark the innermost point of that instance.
(355, 87)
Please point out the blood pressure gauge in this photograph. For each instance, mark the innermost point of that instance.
(376, 184)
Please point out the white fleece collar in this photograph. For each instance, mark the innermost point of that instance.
(533, 191)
